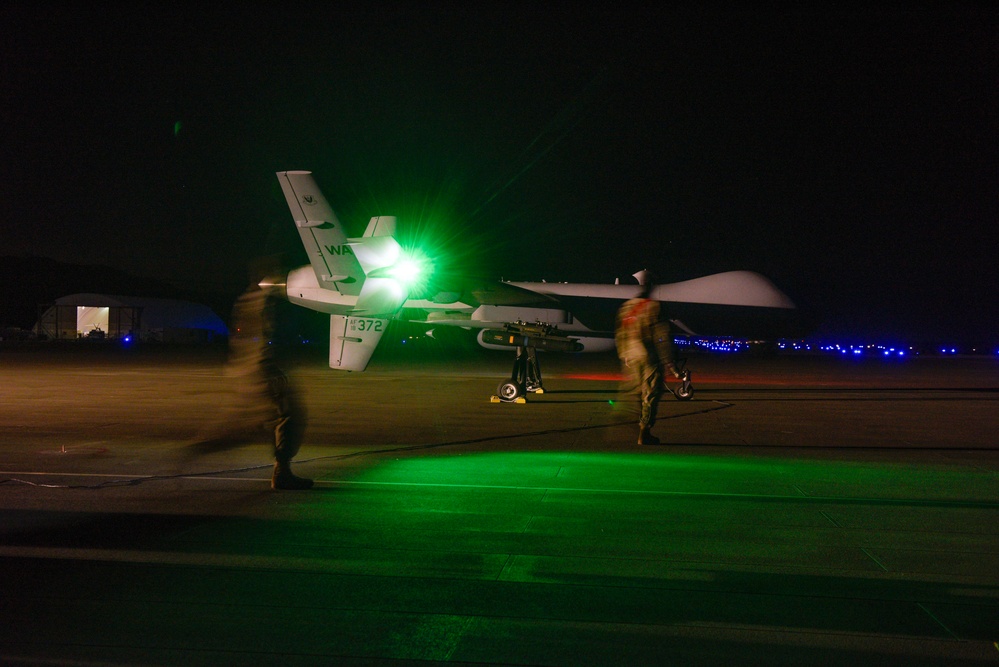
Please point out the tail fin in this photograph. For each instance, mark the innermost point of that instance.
(353, 274)
(331, 256)
(353, 340)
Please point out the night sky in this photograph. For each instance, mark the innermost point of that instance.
(851, 156)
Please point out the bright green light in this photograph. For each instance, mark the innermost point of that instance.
(411, 270)
(406, 270)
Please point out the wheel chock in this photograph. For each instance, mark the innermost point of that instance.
(496, 399)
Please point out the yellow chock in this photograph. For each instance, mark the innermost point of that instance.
(496, 399)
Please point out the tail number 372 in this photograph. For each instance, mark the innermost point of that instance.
(363, 324)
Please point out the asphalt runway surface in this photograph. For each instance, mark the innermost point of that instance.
(809, 510)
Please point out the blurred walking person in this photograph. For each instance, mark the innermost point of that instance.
(645, 347)
(264, 397)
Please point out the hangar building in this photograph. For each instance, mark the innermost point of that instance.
(102, 316)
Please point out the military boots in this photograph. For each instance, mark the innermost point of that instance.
(285, 480)
(645, 437)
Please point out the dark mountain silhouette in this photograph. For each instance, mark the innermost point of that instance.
(30, 283)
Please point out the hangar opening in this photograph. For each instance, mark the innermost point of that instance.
(105, 321)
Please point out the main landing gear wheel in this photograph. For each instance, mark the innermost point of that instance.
(525, 377)
(509, 391)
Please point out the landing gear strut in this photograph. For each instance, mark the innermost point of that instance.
(685, 390)
(525, 378)
(528, 339)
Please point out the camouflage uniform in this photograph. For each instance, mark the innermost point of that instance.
(267, 399)
(645, 346)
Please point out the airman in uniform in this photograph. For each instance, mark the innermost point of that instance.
(259, 397)
(645, 347)
(267, 397)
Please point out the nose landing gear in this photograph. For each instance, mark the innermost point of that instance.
(685, 390)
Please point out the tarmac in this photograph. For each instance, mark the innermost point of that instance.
(804, 510)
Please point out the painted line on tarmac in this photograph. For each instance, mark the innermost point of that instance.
(160, 557)
(707, 495)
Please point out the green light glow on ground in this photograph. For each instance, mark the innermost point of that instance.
(656, 470)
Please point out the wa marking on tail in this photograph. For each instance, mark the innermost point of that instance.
(339, 249)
